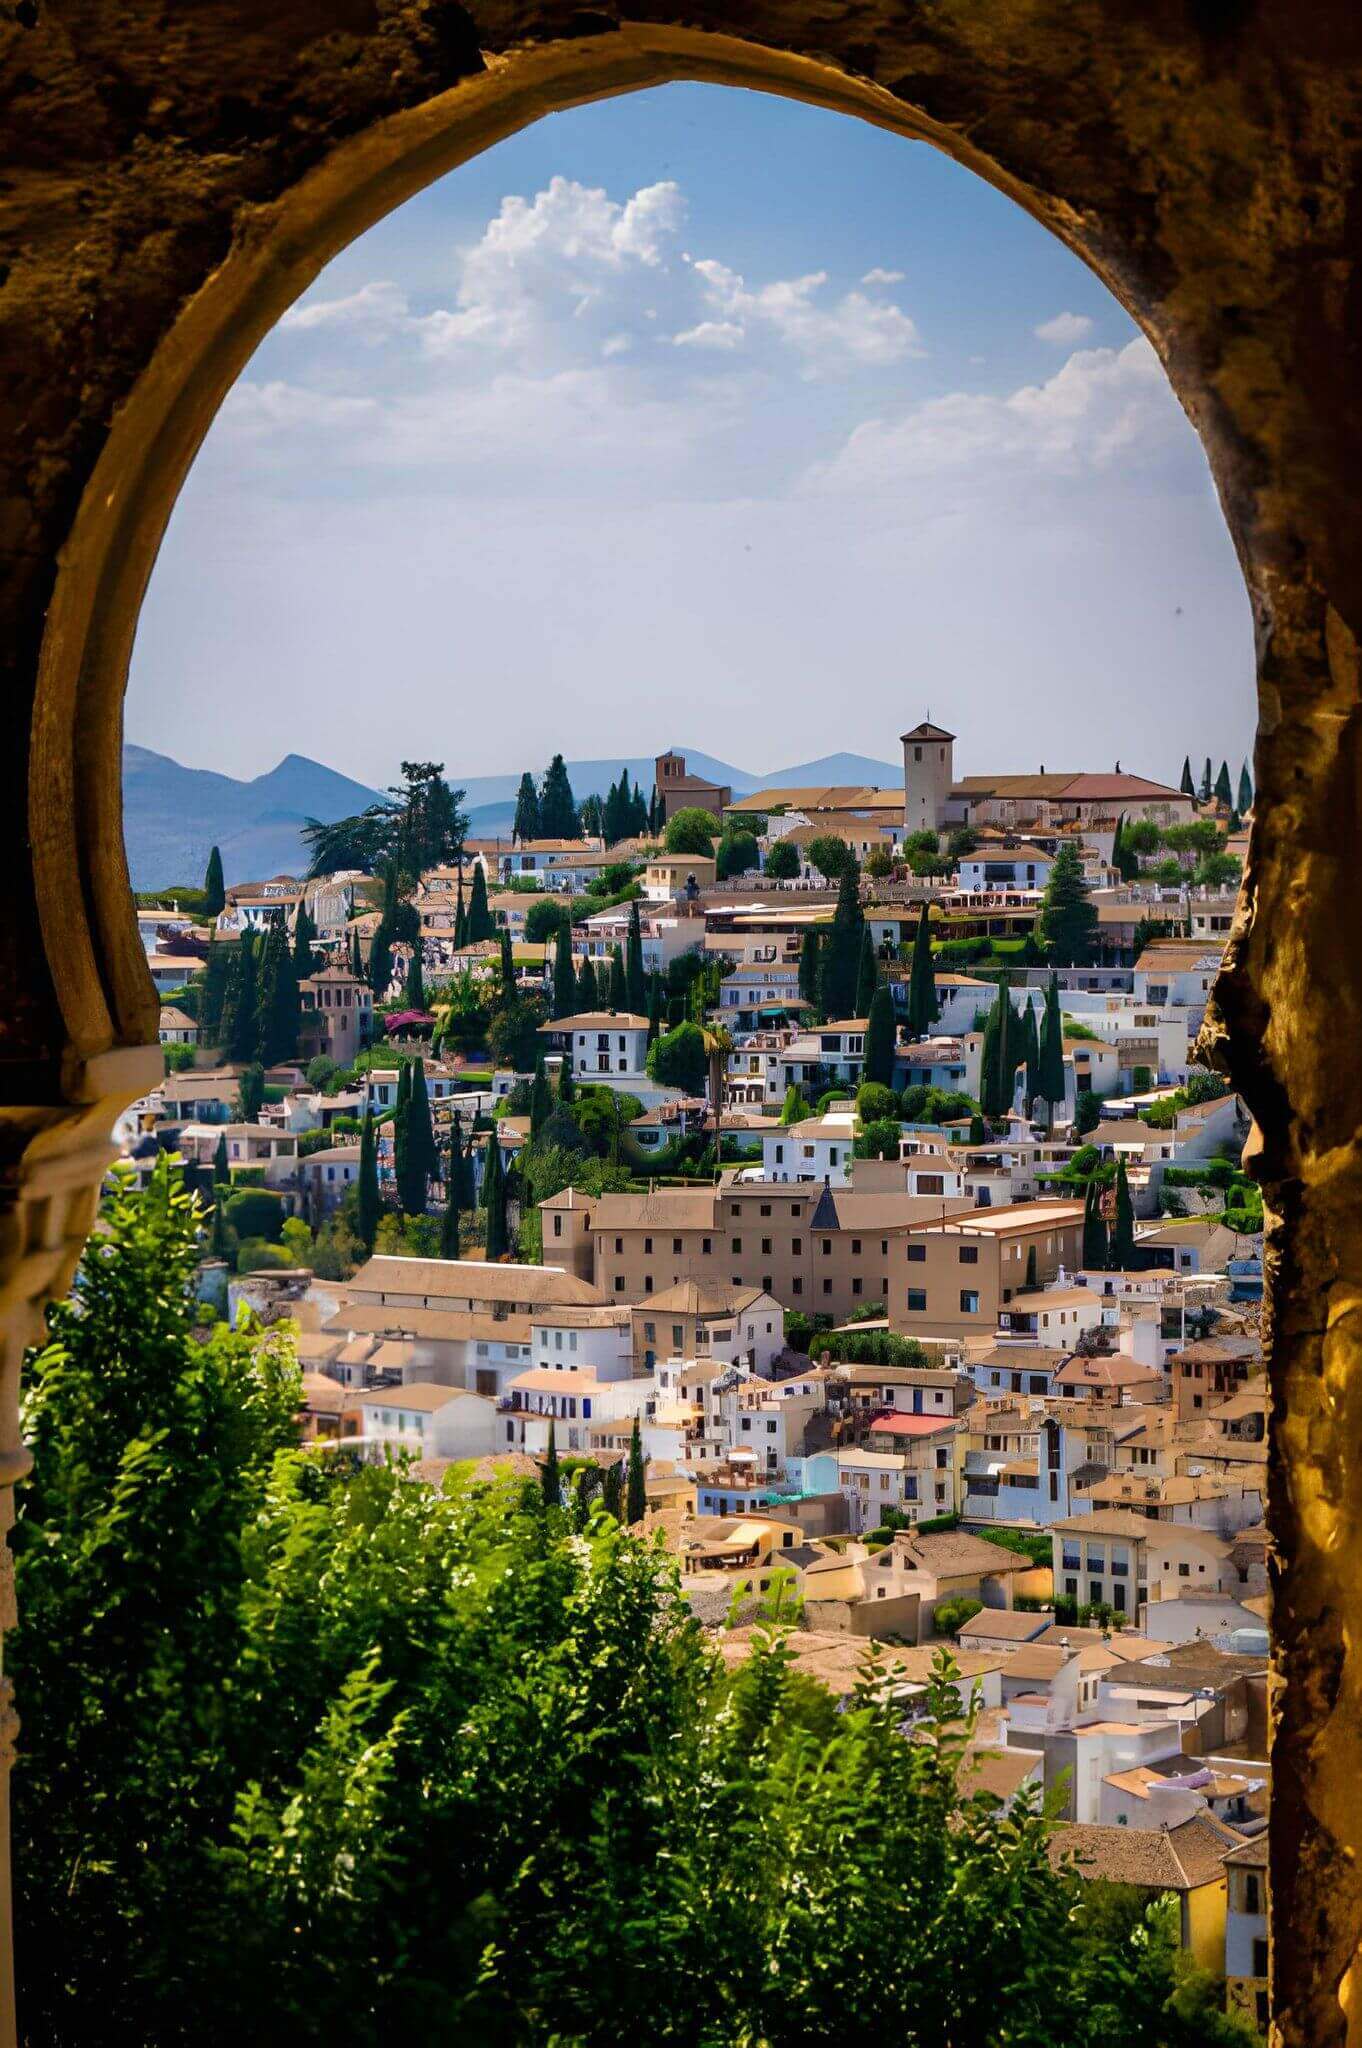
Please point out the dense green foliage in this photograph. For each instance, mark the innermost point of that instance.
(679, 1059)
(1068, 920)
(782, 862)
(692, 831)
(317, 1753)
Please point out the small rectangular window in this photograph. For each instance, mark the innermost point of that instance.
(917, 1300)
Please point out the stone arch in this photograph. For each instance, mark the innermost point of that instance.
(182, 183)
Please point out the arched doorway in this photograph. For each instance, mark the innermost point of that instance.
(226, 167)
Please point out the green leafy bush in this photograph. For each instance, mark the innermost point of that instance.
(951, 1615)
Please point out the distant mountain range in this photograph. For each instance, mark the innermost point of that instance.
(173, 815)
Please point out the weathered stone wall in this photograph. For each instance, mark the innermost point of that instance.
(175, 177)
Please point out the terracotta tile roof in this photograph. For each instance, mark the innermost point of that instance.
(1179, 1859)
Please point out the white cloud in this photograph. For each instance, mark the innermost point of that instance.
(879, 276)
(1064, 330)
(1104, 407)
(710, 334)
(278, 407)
(864, 330)
(376, 309)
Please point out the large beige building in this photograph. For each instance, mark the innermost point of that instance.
(943, 1270)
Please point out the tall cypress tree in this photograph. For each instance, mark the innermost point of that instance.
(840, 961)
(1033, 1073)
(619, 986)
(508, 981)
(460, 917)
(215, 972)
(809, 948)
(867, 974)
(222, 1171)
(367, 1219)
(402, 1167)
(636, 984)
(1244, 803)
(480, 925)
(655, 1010)
(541, 1098)
(1094, 1231)
(356, 957)
(923, 1007)
(564, 974)
(588, 995)
(454, 1194)
(558, 817)
(1121, 1253)
(424, 1157)
(636, 1491)
(526, 824)
(1068, 921)
(879, 1039)
(214, 891)
(494, 1200)
(304, 932)
(1223, 790)
(240, 1016)
(1007, 1051)
(1187, 786)
(1205, 790)
(549, 1478)
(414, 987)
(988, 1065)
(1052, 1049)
(278, 1001)
(381, 960)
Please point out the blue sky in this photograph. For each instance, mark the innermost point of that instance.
(699, 417)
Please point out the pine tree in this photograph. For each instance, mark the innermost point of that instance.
(636, 983)
(612, 1491)
(619, 986)
(867, 974)
(1068, 921)
(1094, 1231)
(879, 1039)
(923, 1007)
(636, 1494)
(454, 1194)
(508, 980)
(222, 1172)
(549, 1478)
(367, 1218)
(655, 1010)
(588, 996)
(564, 975)
(1205, 790)
(526, 824)
(1187, 786)
(304, 932)
(240, 1018)
(480, 924)
(541, 1098)
(214, 891)
(1223, 790)
(809, 949)
(558, 817)
(840, 955)
(1245, 800)
(1121, 1254)
(414, 987)
(494, 1200)
(424, 1158)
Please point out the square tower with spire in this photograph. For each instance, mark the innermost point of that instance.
(928, 772)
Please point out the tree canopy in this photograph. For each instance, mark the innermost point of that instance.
(692, 831)
(1068, 920)
(417, 825)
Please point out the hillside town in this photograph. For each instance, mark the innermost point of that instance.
(829, 1180)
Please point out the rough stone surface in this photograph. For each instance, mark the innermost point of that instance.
(175, 176)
